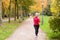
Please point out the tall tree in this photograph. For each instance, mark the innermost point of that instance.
(3, 10)
(26, 4)
(9, 10)
(0, 12)
(48, 5)
(15, 9)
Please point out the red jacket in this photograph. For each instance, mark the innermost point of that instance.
(36, 20)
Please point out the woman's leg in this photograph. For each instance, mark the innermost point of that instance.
(37, 29)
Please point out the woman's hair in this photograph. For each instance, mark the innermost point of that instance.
(36, 14)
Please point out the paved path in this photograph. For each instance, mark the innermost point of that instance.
(26, 32)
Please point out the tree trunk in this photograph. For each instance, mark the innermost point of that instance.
(21, 10)
(0, 12)
(17, 11)
(23, 13)
(9, 11)
(26, 13)
(9, 15)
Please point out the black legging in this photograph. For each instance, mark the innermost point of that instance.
(36, 29)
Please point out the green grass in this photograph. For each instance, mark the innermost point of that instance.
(7, 29)
(45, 27)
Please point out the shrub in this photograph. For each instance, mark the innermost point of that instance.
(55, 26)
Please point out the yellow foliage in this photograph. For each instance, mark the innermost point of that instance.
(38, 6)
(54, 6)
(54, 10)
(6, 3)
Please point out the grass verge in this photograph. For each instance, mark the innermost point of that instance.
(45, 27)
(7, 29)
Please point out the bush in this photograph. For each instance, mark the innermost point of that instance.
(55, 26)
(49, 14)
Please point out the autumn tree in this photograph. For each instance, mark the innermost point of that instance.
(0, 12)
(25, 5)
(16, 5)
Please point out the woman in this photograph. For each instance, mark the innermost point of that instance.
(36, 21)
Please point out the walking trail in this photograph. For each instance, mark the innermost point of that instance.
(26, 32)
